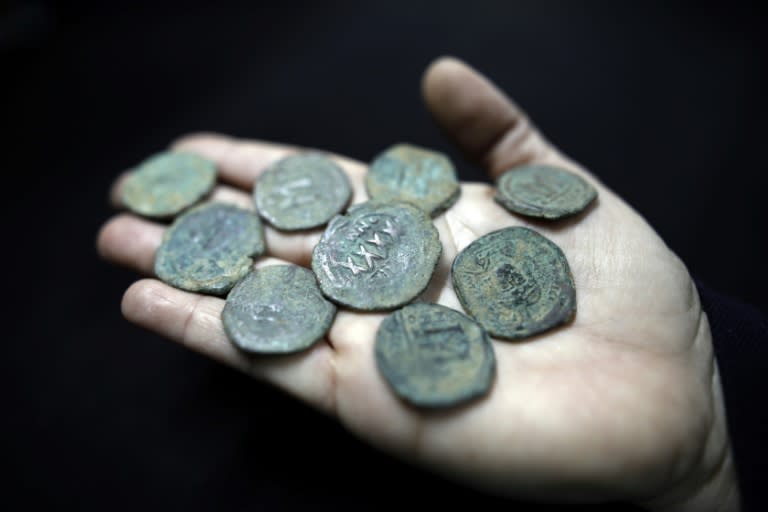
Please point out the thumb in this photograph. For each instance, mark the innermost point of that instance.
(483, 122)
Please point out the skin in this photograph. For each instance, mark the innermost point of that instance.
(622, 404)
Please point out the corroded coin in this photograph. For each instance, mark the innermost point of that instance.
(301, 192)
(277, 310)
(417, 175)
(543, 191)
(168, 183)
(434, 356)
(378, 256)
(209, 248)
(515, 282)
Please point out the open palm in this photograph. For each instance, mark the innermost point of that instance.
(621, 404)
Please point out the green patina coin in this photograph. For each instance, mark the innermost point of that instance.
(168, 183)
(277, 310)
(301, 192)
(416, 175)
(378, 256)
(209, 248)
(543, 191)
(434, 356)
(515, 282)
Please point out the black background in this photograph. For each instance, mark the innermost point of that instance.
(662, 100)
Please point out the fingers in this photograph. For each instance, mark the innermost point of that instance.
(481, 119)
(195, 322)
(131, 242)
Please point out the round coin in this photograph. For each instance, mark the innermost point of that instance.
(277, 310)
(301, 192)
(209, 248)
(168, 183)
(417, 175)
(515, 282)
(543, 191)
(378, 256)
(434, 356)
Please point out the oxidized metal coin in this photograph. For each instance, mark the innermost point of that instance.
(515, 282)
(434, 356)
(543, 191)
(209, 248)
(301, 192)
(168, 183)
(378, 256)
(409, 173)
(277, 310)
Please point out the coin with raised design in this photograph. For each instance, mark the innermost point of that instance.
(434, 356)
(409, 173)
(277, 310)
(301, 191)
(168, 183)
(378, 256)
(543, 191)
(209, 248)
(515, 282)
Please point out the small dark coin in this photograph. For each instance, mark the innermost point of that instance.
(209, 248)
(543, 191)
(378, 256)
(277, 310)
(168, 183)
(515, 282)
(417, 175)
(434, 356)
(301, 192)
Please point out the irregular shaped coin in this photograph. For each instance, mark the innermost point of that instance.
(434, 356)
(168, 183)
(377, 257)
(301, 191)
(277, 310)
(209, 248)
(417, 175)
(543, 191)
(515, 282)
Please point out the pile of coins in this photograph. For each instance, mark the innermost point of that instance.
(379, 255)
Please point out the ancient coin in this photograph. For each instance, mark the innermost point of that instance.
(168, 183)
(301, 192)
(378, 256)
(209, 248)
(277, 310)
(434, 356)
(515, 282)
(543, 191)
(417, 175)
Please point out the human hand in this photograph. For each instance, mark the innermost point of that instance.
(623, 403)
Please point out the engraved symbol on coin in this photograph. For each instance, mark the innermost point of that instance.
(543, 191)
(301, 191)
(379, 256)
(209, 248)
(277, 310)
(515, 282)
(416, 175)
(434, 356)
(168, 183)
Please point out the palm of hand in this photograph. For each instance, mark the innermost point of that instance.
(617, 404)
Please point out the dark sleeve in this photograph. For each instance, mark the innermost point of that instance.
(740, 337)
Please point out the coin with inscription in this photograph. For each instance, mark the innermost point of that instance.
(301, 191)
(168, 183)
(409, 173)
(277, 310)
(209, 248)
(515, 282)
(543, 191)
(434, 356)
(378, 256)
